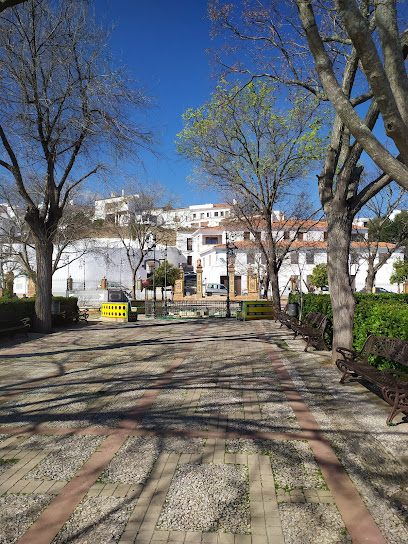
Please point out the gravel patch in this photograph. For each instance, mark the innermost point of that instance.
(220, 401)
(17, 513)
(293, 462)
(99, 520)
(175, 421)
(66, 457)
(4, 437)
(312, 524)
(207, 498)
(134, 461)
(5, 464)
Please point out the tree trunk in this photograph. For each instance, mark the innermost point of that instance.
(134, 284)
(43, 300)
(342, 298)
(273, 277)
(265, 285)
(369, 282)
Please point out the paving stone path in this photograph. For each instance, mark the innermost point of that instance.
(192, 431)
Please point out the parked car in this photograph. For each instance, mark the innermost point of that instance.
(377, 290)
(215, 289)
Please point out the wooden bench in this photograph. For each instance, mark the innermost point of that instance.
(312, 329)
(10, 326)
(284, 318)
(393, 383)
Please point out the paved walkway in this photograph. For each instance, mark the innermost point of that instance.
(194, 431)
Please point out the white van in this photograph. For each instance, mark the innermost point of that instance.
(215, 289)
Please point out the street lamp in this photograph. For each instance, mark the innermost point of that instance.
(151, 244)
(165, 280)
(230, 249)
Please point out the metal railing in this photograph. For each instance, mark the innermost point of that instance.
(191, 309)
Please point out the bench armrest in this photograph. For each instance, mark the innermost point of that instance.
(347, 353)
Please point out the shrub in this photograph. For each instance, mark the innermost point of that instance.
(25, 307)
(18, 307)
(383, 314)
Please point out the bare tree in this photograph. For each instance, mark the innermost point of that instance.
(64, 109)
(345, 54)
(73, 237)
(140, 220)
(4, 4)
(385, 236)
(257, 155)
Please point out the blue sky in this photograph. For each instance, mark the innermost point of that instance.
(163, 44)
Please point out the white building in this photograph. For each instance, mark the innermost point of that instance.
(308, 248)
(201, 234)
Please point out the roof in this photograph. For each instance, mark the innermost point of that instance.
(306, 244)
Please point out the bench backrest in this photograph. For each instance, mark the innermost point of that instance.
(389, 348)
(316, 318)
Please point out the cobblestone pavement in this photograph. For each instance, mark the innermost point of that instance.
(192, 431)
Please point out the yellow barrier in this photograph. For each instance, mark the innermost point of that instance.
(115, 310)
(255, 309)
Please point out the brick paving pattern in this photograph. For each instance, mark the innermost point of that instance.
(191, 431)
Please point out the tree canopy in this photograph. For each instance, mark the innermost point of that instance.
(319, 277)
(256, 149)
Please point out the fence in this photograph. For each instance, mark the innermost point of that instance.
(190, 309)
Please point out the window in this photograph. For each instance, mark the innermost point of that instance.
(250, 258)
(194, 215)
(208, 214)
(189, 244)
(294, 258)
(247, 235)
(300, 236)
(309, 257)
(222, 214)
(190, 260)
(211, 240)
(286, 235)
(215, 214)
(201, 215)
(325, 235)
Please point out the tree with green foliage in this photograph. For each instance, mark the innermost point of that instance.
(256, 149)
(385, 236)
(401, 272)
(166, 275)
(319, 277)
(345, 53)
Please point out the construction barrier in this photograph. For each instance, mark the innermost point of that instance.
(255, 309)
(118, 311)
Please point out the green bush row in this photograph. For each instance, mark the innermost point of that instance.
(25, 307)
(383, 314)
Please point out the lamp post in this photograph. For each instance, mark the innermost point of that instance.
(230, 248)
(165, 280)
(152, 245)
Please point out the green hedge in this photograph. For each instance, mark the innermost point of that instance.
(383, 314)
(18, 307)
(25, 307)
